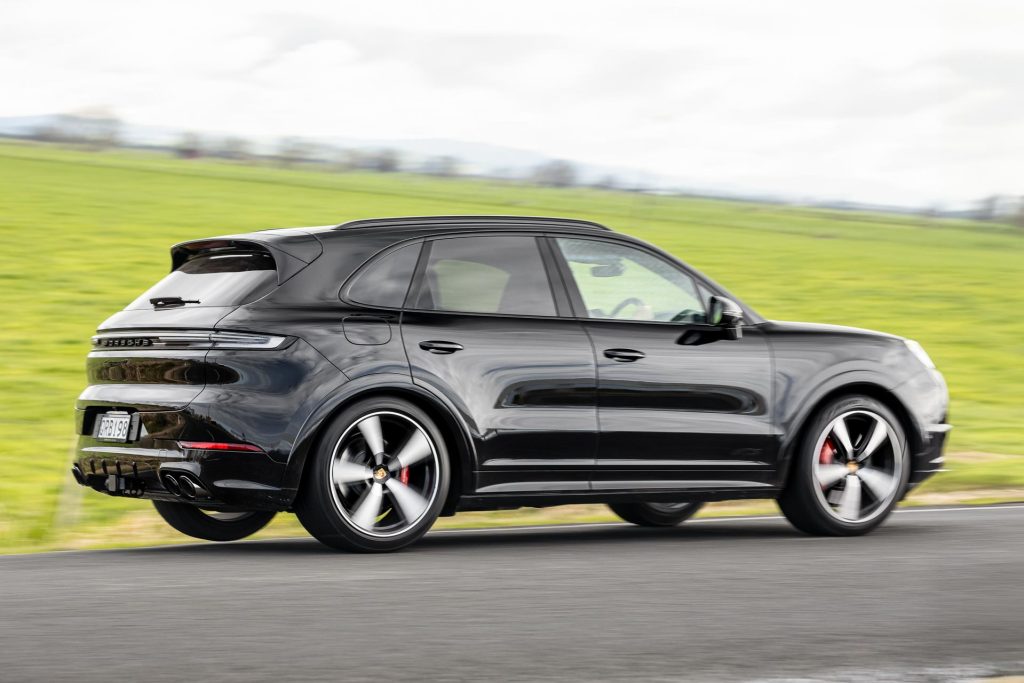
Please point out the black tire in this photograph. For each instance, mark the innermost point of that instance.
(655, 514)
(321, 501)
(804, 501)
(212, 526)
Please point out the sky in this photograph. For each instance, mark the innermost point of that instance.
(900, 102)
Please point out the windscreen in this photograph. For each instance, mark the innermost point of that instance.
(223, 278)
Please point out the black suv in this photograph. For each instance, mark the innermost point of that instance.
(374, 375)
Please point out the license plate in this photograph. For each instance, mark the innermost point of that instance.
(114, 427)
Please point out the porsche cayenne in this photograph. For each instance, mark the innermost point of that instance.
(375, 375)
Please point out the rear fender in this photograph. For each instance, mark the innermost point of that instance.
(390, 385)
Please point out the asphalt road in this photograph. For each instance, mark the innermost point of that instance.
(934, 595)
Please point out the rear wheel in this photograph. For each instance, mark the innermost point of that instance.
(850, 470)
(212, 525)
(656, 514)
(377, 480)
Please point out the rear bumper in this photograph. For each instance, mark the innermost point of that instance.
(257, 398)
(247, 480)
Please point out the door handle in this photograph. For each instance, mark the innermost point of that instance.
(440, 346)
(624, 355)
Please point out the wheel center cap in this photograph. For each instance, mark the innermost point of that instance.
(852, 467)
(380, 474)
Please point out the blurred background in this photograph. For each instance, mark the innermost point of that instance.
(857, 163)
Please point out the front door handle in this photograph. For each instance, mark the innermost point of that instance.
(624, 355)
(440, 346)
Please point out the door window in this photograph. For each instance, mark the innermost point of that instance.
(489, 274)
(619, 282)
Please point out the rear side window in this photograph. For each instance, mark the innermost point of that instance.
(222, 278)
(492, 274)
(385, 281)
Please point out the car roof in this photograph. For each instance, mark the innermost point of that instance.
(305, 243)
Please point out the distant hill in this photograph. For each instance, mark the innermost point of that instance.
(475, 158)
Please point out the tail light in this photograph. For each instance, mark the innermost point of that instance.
(186, 339)
(219, 446)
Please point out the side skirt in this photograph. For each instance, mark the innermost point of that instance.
(518, 500)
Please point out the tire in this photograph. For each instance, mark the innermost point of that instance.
(212, 525)
(849, 471)
(656, 514)
(355, 499)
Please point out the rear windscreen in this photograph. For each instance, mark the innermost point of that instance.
(216, 279)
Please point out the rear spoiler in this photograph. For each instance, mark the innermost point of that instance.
(291, 250)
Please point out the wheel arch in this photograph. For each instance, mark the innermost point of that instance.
(851, 387)
(453, 430)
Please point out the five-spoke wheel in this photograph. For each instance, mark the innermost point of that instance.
(850, 469)
(378, 479)
(859, 465)
(384, 471)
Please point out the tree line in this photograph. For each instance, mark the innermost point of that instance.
(98, 129)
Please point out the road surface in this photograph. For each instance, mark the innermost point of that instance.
(934, 595)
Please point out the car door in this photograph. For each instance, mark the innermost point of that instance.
(481, 327)
(680, 404)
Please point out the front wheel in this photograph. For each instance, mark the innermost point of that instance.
(212, 525)
(377, 480)
(656, 514)
(849, 470)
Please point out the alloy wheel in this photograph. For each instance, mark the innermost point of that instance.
(384, 474)
(858, 464)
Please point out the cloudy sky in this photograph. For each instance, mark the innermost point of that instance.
(897, 101)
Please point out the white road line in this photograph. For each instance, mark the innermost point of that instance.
(703, 520)
(971, 508)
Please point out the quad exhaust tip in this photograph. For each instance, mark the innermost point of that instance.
(76, 471)
(188, 489)
(184, 486)
(172, 485)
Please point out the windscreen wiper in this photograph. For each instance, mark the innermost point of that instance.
(167, 301)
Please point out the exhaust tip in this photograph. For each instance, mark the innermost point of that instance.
(187, 488)
(76, 471)
(172, 485)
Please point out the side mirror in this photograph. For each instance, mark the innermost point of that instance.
(726, 314)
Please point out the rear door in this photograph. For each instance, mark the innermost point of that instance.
(481, 327)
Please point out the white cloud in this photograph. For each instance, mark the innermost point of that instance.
(908, 102)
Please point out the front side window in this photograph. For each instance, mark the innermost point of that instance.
(489, 274)
(619, 282)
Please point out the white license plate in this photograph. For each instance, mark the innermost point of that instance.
(114, 427)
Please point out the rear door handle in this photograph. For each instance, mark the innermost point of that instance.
(624, 355)
(440, 346)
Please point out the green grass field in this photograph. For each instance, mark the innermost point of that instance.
(84, 233)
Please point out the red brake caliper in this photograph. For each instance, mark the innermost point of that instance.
(828, 450)
(403, 475)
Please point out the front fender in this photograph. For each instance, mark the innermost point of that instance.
(794, 411)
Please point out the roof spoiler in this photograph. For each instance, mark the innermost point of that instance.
(292, 251)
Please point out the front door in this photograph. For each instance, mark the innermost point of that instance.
(481, 327)
(680, 404)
